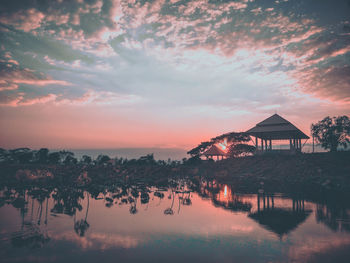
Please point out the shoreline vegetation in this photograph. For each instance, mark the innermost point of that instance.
(311, 173)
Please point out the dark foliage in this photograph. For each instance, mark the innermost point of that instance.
(102, 159)
(239, 150)
(332, 132)
(230, 138)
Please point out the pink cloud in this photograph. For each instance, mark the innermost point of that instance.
(90, 97)
(332, 82)
(16, 76)
(5, 85)
(20, 101)
(25, 20)
(41, 82)
(57, 18)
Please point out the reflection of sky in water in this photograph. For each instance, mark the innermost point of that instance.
(204, 230)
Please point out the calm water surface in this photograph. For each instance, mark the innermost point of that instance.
(182, 223)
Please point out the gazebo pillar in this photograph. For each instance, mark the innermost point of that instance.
(262, 144)
(270, 144)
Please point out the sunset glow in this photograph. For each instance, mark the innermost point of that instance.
(115, 73)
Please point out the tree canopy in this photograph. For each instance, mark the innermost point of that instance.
(240, 149)
(231, 138)
(332, 132)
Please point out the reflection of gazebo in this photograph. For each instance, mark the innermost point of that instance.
(277, 128)
(214, 151)
(279, 220)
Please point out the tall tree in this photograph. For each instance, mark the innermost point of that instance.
(240, 149)
(102, 159)
(86, 159)
(42, 155)
(228, 138)
(21, 155)
(332, 132)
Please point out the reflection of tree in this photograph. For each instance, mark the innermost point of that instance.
(223, 196)
(30, 234)
(40, 195)
(159, 195)
(170, 211)
(187, 199)
(335, 217)
(144, 197)
(81, 226)
(235, 204)
(184, 199)
(67, 201)
(133, 209)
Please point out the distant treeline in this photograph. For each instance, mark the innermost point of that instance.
(44, 156)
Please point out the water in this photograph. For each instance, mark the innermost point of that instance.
(183, 222)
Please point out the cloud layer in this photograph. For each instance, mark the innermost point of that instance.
(166, 58)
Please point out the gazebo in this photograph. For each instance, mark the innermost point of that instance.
(276, 128)
(214, 151)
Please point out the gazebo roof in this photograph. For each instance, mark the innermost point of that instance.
(214, 150)
(276, 127)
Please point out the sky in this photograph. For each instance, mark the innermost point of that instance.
(167, 73)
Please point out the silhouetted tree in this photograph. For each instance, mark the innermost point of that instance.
(54, 158)
(194, 160)
(200, 148)
(70, 160)
(102, 159)
(147, 159)
(86, 159)
(66, 157)
(227, 138)
(241, 149)
(232, 137)
(4, 155)
(331, 132)
(21, 155)
(42, 155)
